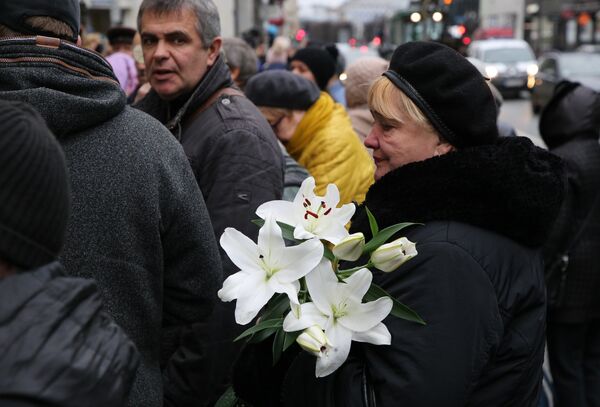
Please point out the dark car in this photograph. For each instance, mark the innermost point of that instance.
(582, 67)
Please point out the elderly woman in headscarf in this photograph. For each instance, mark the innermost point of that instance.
(484, 205)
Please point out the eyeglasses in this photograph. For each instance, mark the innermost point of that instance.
(275, 124)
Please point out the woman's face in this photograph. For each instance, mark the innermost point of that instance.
(397, 143)
(284, 126)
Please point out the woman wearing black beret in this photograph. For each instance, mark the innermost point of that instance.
(485, 205)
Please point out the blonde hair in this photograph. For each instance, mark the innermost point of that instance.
(392, 104)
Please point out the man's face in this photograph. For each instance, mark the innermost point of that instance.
(175, 57)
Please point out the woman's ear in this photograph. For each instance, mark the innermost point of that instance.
(442, 148)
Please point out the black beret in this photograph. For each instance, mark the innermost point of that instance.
(448, 89)
(319, 61)
(14, 12)
(282, 89)
(120, 35)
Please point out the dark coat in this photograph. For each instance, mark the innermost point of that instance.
(58, 347)
(477, 282)
(570, 127)
(138, 224)
(238, 165)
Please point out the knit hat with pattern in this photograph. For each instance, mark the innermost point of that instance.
(34, 189)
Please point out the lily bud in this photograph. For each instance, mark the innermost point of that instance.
(390, 256)
(313, 340)
(350, 248)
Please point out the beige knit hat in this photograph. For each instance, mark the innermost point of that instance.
(360, 76)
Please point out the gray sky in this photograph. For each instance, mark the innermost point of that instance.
(305, 4)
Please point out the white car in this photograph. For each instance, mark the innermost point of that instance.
(509, 63)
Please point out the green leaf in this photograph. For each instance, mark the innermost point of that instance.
(287, 231)
(384, 235)
(372, 222)
(328, 254)
(398, 309)
(277, 307)
(290, 338)
(262, 335)
(227, 399)
(278, 343)
(269, 323)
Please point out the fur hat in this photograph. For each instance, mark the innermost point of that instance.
(282, 89)
(360, 75)
(14, 12)
(320, 63)
(34, 190)
(449, 91)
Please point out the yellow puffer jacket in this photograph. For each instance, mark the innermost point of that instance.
(327, 146)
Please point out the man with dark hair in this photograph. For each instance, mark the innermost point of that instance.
(231, 147)
(57, 345)
(138, 225)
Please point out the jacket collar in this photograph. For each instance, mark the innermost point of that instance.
(216, 77)
(512, 188)
(314, 120)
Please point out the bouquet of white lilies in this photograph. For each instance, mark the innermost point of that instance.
(304, 295)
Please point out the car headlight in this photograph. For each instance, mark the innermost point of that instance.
(532, 69)
(491, 71)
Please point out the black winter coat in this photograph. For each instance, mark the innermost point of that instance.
(57, 345)
(570, 126)
(477, 282)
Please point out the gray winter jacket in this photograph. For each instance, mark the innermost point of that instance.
(138, 225)
(238, 165)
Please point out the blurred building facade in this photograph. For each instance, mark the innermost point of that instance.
(237, 16)
(562, 25)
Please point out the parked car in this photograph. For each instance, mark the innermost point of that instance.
(509, 63)
(556, 66)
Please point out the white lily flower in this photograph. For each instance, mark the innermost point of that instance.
(312, 215)
(265, 269)
(339, 309)
(390, 256)
(350, 248)
(313, 340)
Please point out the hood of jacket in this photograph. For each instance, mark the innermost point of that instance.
(511, 187)
(216, 77)
(73, 88)
(573, 112)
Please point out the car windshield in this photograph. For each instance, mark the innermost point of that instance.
(580, 64)
(508, 55)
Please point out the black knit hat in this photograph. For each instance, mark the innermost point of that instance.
(320, 63)
(282, 89)
(14, 12)
(449, 91)
(34, 190)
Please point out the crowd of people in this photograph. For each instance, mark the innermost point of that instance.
(125, 156)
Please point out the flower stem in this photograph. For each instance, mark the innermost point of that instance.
(342, 274)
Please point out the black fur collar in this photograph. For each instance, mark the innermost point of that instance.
(511, 187)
